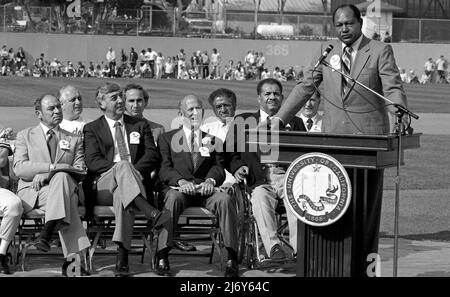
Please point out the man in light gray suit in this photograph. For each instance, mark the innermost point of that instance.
(40, 152)
(351, 109)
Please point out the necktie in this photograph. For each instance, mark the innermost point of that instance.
(121, 145)
(309, 124)
(51, 144)
(346, 67)
(195, 154)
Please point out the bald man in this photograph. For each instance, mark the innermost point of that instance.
(190, 170)
(72, 107)
(39, 152)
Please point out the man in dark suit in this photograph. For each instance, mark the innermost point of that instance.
(351, 109)
(120, 154)
(265, 181)
(190, 170)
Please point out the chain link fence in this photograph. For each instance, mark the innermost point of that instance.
(148, 21)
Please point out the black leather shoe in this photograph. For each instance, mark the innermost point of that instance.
(4, 268)
(160, 217)
(163, 268)
(277, 253)
(41, 244)
(232, 269)
(184, 246)
(122, 269)
(83, 272)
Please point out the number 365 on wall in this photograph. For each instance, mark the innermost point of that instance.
(277, 50)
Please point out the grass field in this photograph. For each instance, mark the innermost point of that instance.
(17, 91)
(425, 181)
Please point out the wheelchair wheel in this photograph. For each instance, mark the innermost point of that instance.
(241, 243)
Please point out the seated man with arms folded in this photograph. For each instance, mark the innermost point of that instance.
(41, 151)
(120, 153)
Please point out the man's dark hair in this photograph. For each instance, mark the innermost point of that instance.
(355, 9)
(134, 86)
(269, 81)
(38, 101)
(222, 92)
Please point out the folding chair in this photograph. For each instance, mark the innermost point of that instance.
(197, 224)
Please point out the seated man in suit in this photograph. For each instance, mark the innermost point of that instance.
(10, 205)
(310, 115)
(189, 172)
(136, 100)
(39, 151)
(265, 181)
(120, 154)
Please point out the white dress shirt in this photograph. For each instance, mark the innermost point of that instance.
(187, 133)
(112, 129)
(45, 129)
(354, 46)
(316, 125)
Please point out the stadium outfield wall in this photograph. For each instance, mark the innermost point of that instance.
(280, 53)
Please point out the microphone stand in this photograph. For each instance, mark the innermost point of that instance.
(399, 131)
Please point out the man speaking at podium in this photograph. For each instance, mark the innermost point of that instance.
(349, 108)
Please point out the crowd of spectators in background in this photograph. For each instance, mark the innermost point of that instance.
(433, 72)
(148, 64)
(200, 65)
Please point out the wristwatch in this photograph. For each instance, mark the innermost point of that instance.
(52, 167)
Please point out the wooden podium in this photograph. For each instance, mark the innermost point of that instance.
(336, 250)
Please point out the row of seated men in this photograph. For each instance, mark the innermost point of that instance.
(121, 151)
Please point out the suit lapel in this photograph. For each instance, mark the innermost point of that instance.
(40, 142)
(105, 134)
(59, 152)
(362, 57)
(128, 130)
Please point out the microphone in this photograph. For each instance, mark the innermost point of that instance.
(324, 55)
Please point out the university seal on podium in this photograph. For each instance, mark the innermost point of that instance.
(317, 189)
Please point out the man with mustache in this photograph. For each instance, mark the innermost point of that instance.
(264, 180)
(72, 107)
(120, 155)
(39, 152)
(351, 109)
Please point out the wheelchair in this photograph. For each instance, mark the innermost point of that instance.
(249, 242)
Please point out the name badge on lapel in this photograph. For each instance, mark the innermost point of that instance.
(64, 144)
(135, 138)
(335, 61)
(204, 151)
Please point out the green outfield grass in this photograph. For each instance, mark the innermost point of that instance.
(17, 91)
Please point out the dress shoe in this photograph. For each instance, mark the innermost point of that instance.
(83, 272)
(277, 253)
(4, 268)
(232, 269)
(41, 244)
(122, 269)
(184, 246)
(163, 268)
(160, 217)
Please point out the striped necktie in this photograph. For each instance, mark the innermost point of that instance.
(121, 145)
(346, 68)
(195, 154)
